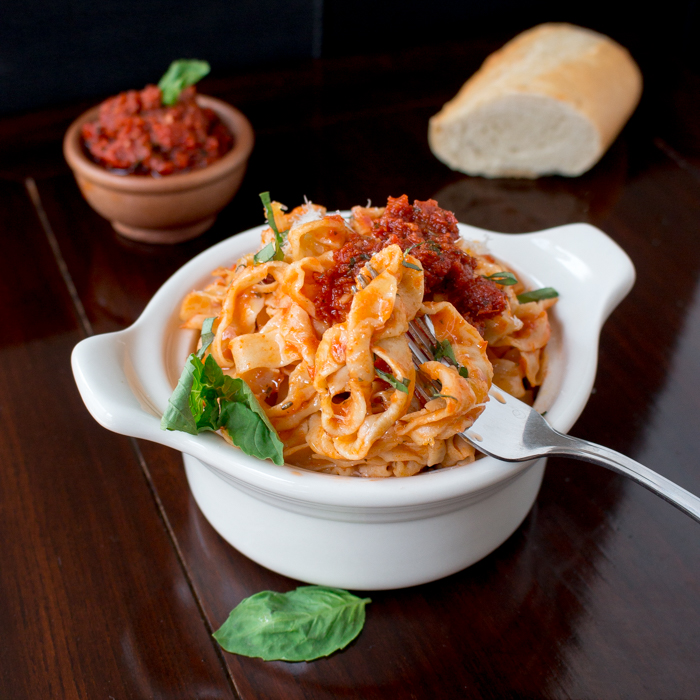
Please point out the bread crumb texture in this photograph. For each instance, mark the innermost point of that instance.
(551, 101)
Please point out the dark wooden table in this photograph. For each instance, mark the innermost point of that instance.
(111, 581)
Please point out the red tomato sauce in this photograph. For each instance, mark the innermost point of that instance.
(136, 134)
(431, 233)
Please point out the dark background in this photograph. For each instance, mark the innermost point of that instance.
(54, 53)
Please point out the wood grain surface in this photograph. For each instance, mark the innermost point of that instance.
(111, 580)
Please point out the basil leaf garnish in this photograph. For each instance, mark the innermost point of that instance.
(207, 336)
(203, 399)
(302, 625)
(181, 74)
(265, 254)
(537, 294)
(178, 415)
(207, 399)
(405, 262)
(444, 349)
(270, 216)
(249, 432)
(400, 384)
(247, 424)
(504, 278)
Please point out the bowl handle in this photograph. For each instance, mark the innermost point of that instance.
(110, 390)
(589, 253)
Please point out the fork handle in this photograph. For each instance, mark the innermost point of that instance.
(605, 457)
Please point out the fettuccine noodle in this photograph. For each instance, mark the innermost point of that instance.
(310, 347)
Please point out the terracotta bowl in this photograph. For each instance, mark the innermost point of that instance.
(170, 209)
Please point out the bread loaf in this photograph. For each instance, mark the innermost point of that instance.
(550, 101)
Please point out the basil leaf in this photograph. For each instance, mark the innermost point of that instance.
(537, 294)
(269, 213)
(302, 625)
(208, 379)
(443, 396)
(270, 216)
(207, 399)
(504, 278)
(249, 429)
(265, 254)
(178, 415)
(405, 263)
(207, 336)
(237, 390)
(248, 432)
(444, 349)
(181, 74)
(400, 384)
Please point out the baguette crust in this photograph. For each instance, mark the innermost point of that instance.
(551, 101)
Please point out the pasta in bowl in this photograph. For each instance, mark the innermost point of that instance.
(333, 529)
(317, 326)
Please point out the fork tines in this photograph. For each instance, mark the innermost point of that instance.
(421, 342)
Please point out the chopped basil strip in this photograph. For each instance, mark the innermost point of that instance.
(405, 263)
(443, 396)
(400, 384)
(538, 294)
(180, 75)
(265, 254)
(270, 216)
(503, 278)
(207, 399)
(302, 625)
(444, 349)
(207, 336)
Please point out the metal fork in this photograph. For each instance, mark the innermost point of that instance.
(512, 431)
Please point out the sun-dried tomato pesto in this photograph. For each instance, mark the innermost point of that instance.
(335, 294)
(136, 134)
(431, 233)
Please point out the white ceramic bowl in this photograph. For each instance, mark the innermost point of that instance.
(344, 531)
